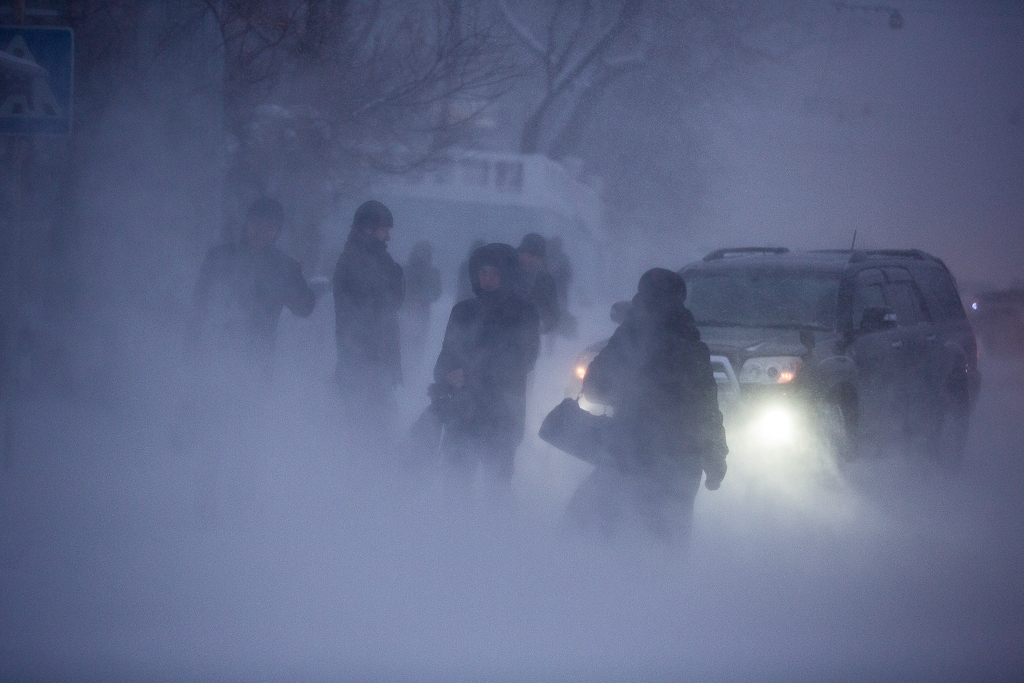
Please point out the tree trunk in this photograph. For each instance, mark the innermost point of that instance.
(529, 143)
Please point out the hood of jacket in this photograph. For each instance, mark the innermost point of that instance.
(658, 304)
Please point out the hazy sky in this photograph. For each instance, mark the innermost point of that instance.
(912, 137)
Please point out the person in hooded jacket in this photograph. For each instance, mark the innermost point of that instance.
(369, 288)
(667, 430)
(490, 346)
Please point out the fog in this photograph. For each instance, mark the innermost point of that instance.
(163, 517)
(908, 137)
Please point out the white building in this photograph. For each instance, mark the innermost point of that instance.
(496, 197)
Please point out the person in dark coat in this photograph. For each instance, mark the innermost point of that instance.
(237, 302)
(490, 346)
(423, 288)
(369, 288)
(534, 283)
(667, 428)
(244, 285)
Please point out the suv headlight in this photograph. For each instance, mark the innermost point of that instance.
(770, 370)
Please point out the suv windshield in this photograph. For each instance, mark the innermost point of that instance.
(763, 298)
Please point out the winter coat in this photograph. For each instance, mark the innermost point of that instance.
(494, 339)
(656, 373)
(242, 292)
(368, 291)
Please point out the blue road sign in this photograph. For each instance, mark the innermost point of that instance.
(36, 80)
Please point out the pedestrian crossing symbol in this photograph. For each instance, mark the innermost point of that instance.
(36, 71)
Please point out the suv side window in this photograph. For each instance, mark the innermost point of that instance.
(868, 293)
(941, 293)
(903, 297)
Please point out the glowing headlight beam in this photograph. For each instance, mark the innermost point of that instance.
(774, 425)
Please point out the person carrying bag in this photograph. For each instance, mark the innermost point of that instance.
(666, 430)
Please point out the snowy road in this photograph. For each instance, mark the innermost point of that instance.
(114, 562)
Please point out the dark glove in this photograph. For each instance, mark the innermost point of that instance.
(713, 475)
(442, 400)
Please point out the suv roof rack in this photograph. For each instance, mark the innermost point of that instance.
(719, 254)
(916, 254)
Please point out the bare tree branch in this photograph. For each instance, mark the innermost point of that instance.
(522, 31)
(567, 64)
(629, 9)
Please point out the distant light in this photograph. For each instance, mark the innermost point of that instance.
(581, 371)
(785, 377)
(975, 305)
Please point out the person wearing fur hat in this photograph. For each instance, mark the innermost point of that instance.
(490, 346)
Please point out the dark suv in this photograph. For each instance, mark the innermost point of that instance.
(872, 344)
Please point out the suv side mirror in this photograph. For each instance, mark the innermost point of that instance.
(807, 338)
(620, 309)
(877, 320)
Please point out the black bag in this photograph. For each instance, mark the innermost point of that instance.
(423, 440)
(579, 433)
